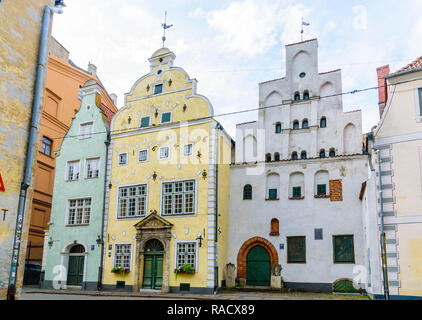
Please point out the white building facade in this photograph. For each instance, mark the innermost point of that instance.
(296, 181)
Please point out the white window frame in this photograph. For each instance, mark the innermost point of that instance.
(159, 153)
(192, 150)
(196, 252)
(139, 153)
(418, 115)
(131, 253)
(149, 122)
(66, 177)
(84, 137)
(161, 117)
(118, 159)
(66, 223)
(195, 199)
(157, 84)
(117, 218)
(98, 169)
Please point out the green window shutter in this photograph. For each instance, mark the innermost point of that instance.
(273, 194)
(165, 117)
(343, 249)
(145, 122)
(420, 101)
(296, 249)
(297, 192)
(322, 189)
(158, 89)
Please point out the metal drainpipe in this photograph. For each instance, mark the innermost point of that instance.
(101, 268)
(26, 183)
(218, 127)
(383, 241)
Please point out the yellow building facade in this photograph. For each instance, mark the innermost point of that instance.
(166, 213)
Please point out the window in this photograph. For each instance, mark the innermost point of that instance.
(276, 156)
(296, 125)
(303, 155)
(122, 255)
(297, 192)
(132, 201)
(145, 122)
(92, 168)
(323, 123)
(268, 157)
(297, 96)
(294, 156)
(122, 159)
(86, 130)
(143, 155)
(46, 146)
(302, 75)
(306, 95)
(272, 194)
(296, 249)
(72, 172)
(164, 153)
(158, 88)
(305, 124)
(166, 117)
(247, 192)
(178, 198)
(321, 189)
(188, 149)
(322, 153)
(79, 212)
(275, 228)
(332, 153)
(343, 249)
(278, 127)
(186, 254)
(420, 101)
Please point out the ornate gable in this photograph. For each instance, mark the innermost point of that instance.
(153, 222)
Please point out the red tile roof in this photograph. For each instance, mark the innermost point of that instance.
(108, 113)
(417, 64)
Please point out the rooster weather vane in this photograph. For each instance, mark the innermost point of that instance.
(165, 27)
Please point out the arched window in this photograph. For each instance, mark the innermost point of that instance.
(297, 96)
(295, 125)
(276, 156)
(268, 157)
(278, 127)
(303, 155)
(322, 153)
(153, 245)
(275, 228)
(306, 95)
(323, 123)
(77, 249)
(247, 192)
(332, 153)
(305, 124)
(294, 156)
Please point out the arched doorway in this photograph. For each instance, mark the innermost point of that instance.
(75, 269)
(258, 267)
(153, 264)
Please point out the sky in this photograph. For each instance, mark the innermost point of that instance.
(231, 46)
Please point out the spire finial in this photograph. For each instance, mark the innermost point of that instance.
(165, 27)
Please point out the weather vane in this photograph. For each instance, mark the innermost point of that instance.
(165, 27)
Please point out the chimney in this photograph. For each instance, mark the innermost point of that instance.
(113, 97)
(92, 68)
(382, 87)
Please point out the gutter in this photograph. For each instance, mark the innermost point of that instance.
(32, 141)
(401, 73)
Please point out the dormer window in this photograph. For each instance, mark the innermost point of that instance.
(296, 125)
(297, 96)
(305, 124)
(158, 88)
(306, 95)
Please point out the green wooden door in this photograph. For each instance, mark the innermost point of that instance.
(153, 271)
(75, 272)
(258, 267)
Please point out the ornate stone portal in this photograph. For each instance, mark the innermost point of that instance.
(152, 227)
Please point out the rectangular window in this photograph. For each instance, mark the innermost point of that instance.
(46, 146)
(72, 172)
(188, 150)
(166, 117)
(145, 122)
(164, 153)
(158, 88)
(321, 189)
(132, 201)
(79, 212)
(420, 101)
(297, 192)
(86, 130)
(272, 194)
(178, 198)
(278, 128)
(344, 251)
(122, 255)
(92, 168)
(186, 254)
(143, 155)
(122, 159)
(296, 249)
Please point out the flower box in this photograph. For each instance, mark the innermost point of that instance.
(120, 270)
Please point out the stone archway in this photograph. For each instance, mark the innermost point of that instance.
(248, 246)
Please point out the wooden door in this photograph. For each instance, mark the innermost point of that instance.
(258, 267)
(75, 272)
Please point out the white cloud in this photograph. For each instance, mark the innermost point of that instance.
(197, 13)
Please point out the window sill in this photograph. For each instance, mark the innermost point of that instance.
(274, 234)
(71, 180)
(327, 196)
(272, 199)
(134, 217)
(91, 178)
(77, 225)
(297, 198)
(304, 262)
